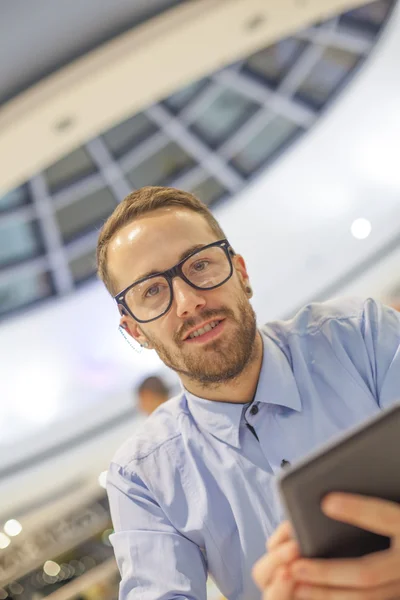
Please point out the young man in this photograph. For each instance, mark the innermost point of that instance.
(194, 490)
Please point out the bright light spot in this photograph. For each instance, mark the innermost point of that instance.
(13, 527)
(16, 589)
(88, 562)
(51, 568)
(103, 479)
(80, 568)
(361, 228)
(65, 572)
(4, 541)
(105, 538)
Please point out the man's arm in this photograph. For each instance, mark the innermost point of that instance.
(154, 559)
(381, 331)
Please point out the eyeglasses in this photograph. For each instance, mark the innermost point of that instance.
(205, 269)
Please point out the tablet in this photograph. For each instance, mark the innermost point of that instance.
(365, 461)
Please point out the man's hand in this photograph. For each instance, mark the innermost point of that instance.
(284, 576)
(271, 572)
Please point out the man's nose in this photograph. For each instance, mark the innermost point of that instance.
(188, 300)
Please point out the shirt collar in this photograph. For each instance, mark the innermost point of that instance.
(276, 385)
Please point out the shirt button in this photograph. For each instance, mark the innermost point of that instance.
(254, 410)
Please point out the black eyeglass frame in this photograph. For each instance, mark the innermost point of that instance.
(176, 271)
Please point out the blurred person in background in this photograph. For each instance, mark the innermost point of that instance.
(193, 491)
(151, 393)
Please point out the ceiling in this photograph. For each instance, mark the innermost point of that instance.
(56, 33)
(211, 138)
(131, 71)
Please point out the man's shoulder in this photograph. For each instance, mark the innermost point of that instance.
(163, 426)
(316, 315)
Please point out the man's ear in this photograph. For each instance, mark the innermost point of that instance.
(131, 327)
(124, 318)
(241, 270)
(136, 332)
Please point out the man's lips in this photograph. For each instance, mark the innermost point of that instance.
(187, 334)
(208, 335)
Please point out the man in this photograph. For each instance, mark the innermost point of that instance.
(194, 490)
(151, 393)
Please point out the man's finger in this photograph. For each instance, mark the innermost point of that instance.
(391, 590)
(281, 588)
(265, 569)
(373, 514)
(283, 533)
(373, 570)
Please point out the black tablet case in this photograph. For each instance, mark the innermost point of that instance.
(365, 461)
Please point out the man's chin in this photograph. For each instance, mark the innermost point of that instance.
(215, 369)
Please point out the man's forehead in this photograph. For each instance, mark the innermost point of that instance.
(164, 225)
(151, 245)
(162, 261)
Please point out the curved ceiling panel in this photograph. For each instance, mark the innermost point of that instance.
(56, 33)
(135, 69)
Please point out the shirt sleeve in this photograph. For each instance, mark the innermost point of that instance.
(381, 330)
(156, 562)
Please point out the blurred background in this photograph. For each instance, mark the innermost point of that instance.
(282, 116)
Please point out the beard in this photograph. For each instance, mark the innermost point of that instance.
(221, 360)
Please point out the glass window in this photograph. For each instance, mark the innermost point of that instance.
(19, 240)
(83, 267)
(126, 135)
(369, 17)
(268, 141)
(181, 98)
(209, 190)
(69, 169)
(159, 169)
(14, 198)
(327, 75)
(85, 214)
(222, 118)
(26, 290)
(273, 63)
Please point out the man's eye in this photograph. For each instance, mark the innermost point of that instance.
(153, 291)
(200, 265)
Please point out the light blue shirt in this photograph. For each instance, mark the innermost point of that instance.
(193, 492)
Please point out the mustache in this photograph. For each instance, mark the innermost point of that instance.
(204, 316)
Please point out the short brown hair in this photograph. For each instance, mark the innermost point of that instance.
(155, 385)
(138, 203)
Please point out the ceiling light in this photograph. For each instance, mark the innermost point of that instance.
(13, 527)
(16, 589)
(361, 228)
(4, 541)
(103, 479)
(51, 568)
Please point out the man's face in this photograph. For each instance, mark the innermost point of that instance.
(156, 242)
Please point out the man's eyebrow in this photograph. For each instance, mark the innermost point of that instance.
(184, 255)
